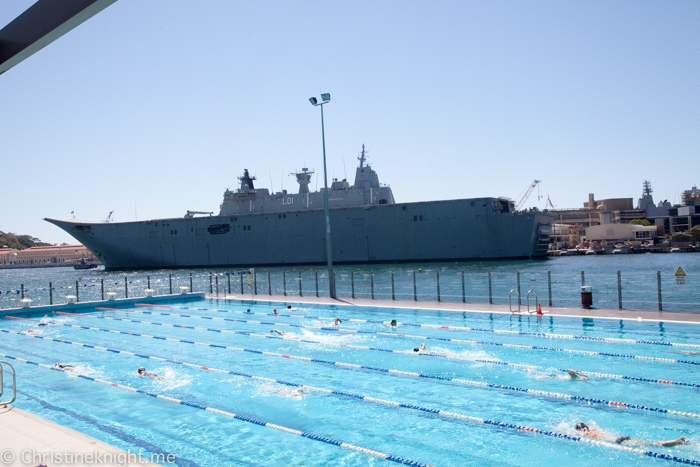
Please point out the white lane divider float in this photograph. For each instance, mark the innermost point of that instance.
(361, 347)
(381, 455)
(443, 339)
(481, 384)
(545, 335)
(352, 447)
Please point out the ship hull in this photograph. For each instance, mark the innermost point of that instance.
(468, 229)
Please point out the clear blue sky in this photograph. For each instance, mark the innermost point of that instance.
(160, 104)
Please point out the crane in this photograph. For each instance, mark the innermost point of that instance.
(527, 194)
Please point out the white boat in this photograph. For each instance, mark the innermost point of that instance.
(590, 252)
(676, 250)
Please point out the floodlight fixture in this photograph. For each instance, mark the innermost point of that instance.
(313, 101)
(326, 97)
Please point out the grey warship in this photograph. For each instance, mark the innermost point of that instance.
(258, 228)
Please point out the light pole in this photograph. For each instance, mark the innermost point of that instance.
(326, 98)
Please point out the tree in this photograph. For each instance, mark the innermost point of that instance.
(19, 242)
(640, 222)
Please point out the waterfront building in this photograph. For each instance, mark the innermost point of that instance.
(53, 254)
(613, 233)
(8, 255)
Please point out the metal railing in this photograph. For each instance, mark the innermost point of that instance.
(2, 384)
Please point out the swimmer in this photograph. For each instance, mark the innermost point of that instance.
(143, 372)
(281, 333)
(597, 433)
(680, 353)
(298, 392)
(61, 366)
(289, 307)
(574, 375)
(43, 324)
(31, 331)
(274, 312)
(393, 322)
(337, 322)
(248, 310)
(421, 349)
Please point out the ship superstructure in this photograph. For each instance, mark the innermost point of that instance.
(258, 228)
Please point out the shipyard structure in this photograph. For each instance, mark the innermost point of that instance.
(258, 228)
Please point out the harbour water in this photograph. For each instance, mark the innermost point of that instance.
(472, 282)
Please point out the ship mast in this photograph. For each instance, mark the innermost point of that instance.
(363, 157)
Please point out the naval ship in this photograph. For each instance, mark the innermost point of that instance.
(258, 228)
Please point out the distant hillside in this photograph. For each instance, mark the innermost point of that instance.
(19, 242)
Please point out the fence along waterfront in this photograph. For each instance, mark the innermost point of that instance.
(624, 290)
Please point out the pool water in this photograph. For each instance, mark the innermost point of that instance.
(139, 423)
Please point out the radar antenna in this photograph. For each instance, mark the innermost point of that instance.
(363, 156)
(109, 217)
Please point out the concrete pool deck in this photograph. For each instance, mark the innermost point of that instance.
(604, 313)
(26, 436)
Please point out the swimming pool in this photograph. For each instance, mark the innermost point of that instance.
(491, 389)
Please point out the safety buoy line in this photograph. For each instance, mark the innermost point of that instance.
(381, 455)
(374, 349)
(352, 447)
(545, 335)
(444, 339)
(402, 373)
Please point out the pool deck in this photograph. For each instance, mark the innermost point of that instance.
(23, 432)
(604, 313)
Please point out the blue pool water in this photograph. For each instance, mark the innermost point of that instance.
(137, 422)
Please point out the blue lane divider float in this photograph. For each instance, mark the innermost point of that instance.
(443, 339)
(254, 421)
(449, 328)
(381, 455)
(404, 352)
(481, 384)
(375, 349)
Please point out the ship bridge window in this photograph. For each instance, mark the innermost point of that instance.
(219, 229)
(382, 201)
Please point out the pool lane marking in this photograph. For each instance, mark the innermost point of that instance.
(362, 347)
(262, 378)
(401, 373)
(448, 328)
(196, 405)
(444, 339)
(381, 455)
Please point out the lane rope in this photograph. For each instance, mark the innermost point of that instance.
(196, 405)
(402, 373)
(444, 339)
(378, 454)
(448, 328)
(405, 352)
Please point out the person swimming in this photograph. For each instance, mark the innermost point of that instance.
(393, 322)
(274, 312)
(574, 375)
(337, 322)
(43, 324)
(297, 392)
(420, 349)
(143, 372)
(248, 310)
(62, 366)
(281, 333)
(597, 433)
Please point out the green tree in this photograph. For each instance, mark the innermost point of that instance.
(640, 222)
(19, 242)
